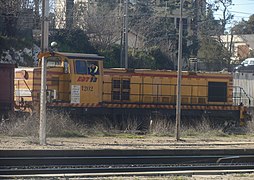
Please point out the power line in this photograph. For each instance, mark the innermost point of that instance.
(243, 4)
(234, 16)
(241, 12)
(237, 12)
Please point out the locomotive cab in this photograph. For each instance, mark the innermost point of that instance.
(73, 79)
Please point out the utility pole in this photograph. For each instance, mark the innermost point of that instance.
(179, 74)
(126, 34)
(36, 14)
(120, 12)
(69, 13)
(44, 48)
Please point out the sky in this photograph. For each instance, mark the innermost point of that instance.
(242, 9)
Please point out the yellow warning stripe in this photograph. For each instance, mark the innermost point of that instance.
(144, 106)
(191, 107)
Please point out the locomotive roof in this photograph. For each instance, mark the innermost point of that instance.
(80, 55)
(123, 70)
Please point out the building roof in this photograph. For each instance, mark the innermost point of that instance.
(249, 39)
(240, 38)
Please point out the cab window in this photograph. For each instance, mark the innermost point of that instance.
(53, 62)
(81, 67)
(66, 67)
(251, 62)
(92, 67)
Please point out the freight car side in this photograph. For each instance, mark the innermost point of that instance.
(25, 92)
(6, 88)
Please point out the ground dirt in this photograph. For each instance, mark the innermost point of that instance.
(128, 142)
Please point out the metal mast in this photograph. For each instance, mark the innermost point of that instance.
(126, 34)
(44, 48)
(179, 74)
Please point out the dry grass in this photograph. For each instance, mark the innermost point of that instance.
(203, 129)
(20, 125)
(62, 125)
(109, 127)
(101, 127)
(162, 127)
(132, 125)
(250, 127)
(57, 125)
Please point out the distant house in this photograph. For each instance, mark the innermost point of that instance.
(241, 45)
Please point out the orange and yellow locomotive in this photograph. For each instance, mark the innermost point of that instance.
(78, 82)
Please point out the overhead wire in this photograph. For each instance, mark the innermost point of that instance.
(244, 4)
(241, 12)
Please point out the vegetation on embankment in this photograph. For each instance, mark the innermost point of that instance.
(62, 125)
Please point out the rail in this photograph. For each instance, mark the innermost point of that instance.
(14, 163)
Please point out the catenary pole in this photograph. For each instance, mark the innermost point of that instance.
(120, 11)
(179, 74)
(126, 34)
(44, 48)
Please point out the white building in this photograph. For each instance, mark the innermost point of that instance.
(241, 45)
(66, 10)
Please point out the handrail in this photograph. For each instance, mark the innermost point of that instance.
(246, 95)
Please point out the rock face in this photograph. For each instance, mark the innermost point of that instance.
(25, 57)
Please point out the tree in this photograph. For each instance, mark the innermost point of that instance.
(104, 26)
(69, 13)
(159, 31)
(80, 15)
(209, 26)
(244, 27)
(73, 40)
(161, 60)
(223, 5)
(9, 13)
(213, 53)
(12, 11)
(142, 60)
(211, 49)
(111, 56)
(109, 4)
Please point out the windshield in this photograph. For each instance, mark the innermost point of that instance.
(244, 62)
(251, 62)
(53, 61)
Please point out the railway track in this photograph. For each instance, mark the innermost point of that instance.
(30, 163)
